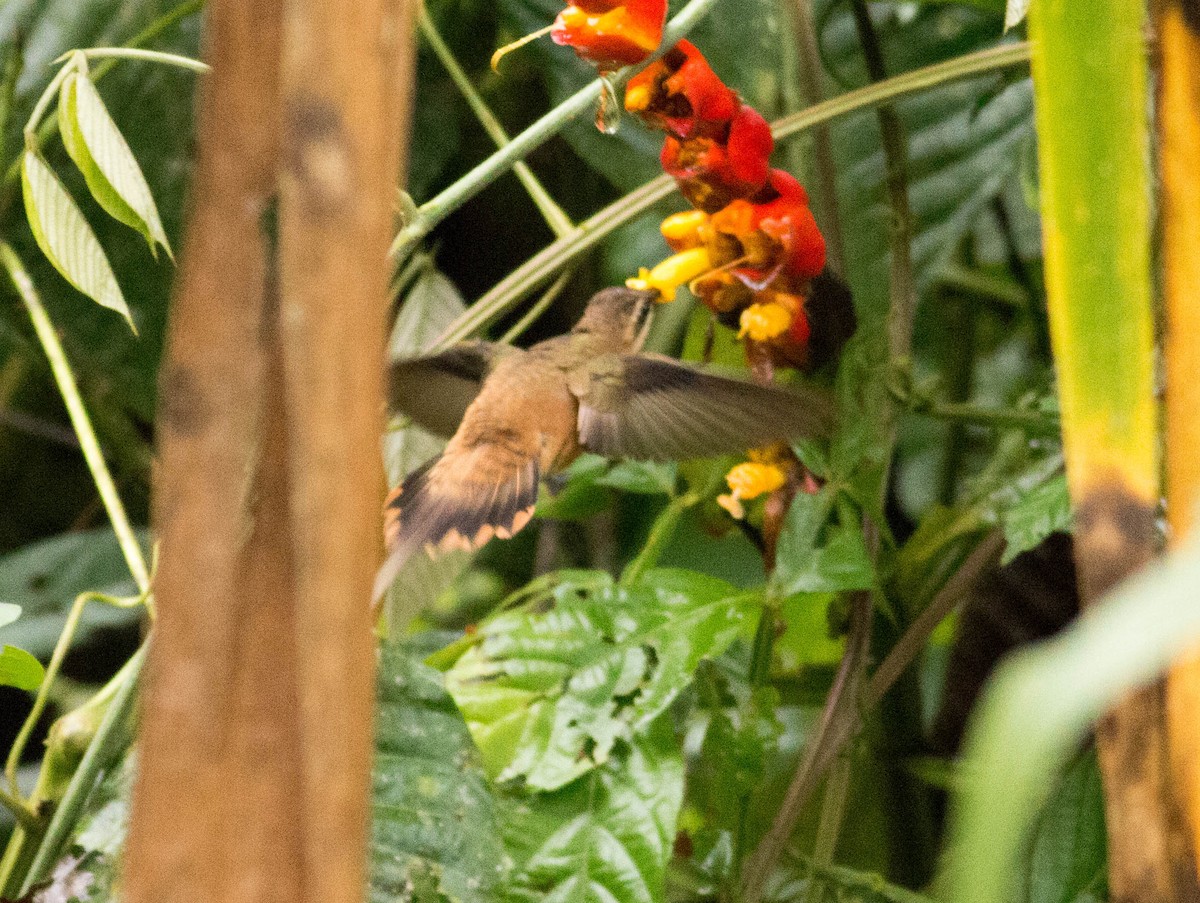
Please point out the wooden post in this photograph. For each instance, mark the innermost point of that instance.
(255, 749)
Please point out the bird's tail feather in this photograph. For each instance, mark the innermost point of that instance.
(437, 508)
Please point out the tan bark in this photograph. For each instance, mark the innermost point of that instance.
(256, 734)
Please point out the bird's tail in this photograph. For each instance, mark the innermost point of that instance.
(457, 502)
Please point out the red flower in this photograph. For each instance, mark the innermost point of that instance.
(611, 34)
(681, 95)
(711, 172)
(774, 232)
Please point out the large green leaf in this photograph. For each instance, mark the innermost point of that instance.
(1068, 854)
(65, 236)
(436, 835)
(605, 838)
(549, 692)
(102, 155)
(44, 579)
(1044, 510)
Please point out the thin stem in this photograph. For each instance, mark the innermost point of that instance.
(903, 307)
(808, 64)
(135, 53)
(100, 754)
(25, 816)
(537, 308)
(840, 704)
(829, 828)
(446, 202)
(65, 378)
(8, 89)
(558, 221)
(43, 103)
(56, 659)
(660, 533)
(1033, 422)
(543, 265)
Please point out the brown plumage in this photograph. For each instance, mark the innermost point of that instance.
(516, 416)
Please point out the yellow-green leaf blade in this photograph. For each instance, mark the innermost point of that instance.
(65, 236)
(108, 165)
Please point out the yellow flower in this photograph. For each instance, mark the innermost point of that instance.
(749, 480)
(676, 270)
(685, 230)
(762, 322)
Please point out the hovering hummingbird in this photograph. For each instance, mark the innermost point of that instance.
(517, 415)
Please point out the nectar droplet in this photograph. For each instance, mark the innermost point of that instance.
(608, 110)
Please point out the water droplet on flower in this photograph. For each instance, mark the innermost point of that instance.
(608, 110)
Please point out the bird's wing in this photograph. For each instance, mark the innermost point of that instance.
(656, 408)
(434, 391)
(458, 501)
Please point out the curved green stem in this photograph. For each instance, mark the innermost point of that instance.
(595, 229)
(558, 221)
(65, 378)
(25, 816)
(438, 208)
(136, 53)
(660, 533)
(52, 669)
(100, 753)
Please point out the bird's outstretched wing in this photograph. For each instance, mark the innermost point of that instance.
(656, 408)
(458, 501)
(435, 390)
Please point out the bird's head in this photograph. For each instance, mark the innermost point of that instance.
(619, 316)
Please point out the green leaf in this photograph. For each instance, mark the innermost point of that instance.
(20, 669)
(1044, 510)
(548, 693)
(66, 238)
(108, 166)
(603, 839)
(813, 558)
(642, 477)
(1069, 851)
(44, 578)
(435, 823)
(9, 613)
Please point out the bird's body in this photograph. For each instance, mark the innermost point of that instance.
(515, 416)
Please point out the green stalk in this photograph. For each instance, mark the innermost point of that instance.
(660, 534)
(135, 53)
(65, 378)
(543, 265)
(56, 659)
(101, 753)
(437, 209)
(558, 221)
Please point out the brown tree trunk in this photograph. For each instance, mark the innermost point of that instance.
(256, 734)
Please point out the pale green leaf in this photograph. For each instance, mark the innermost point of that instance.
(549, 692)
(20, 669)
(102, 155)
(1015, 12)
(1044, 510)
(66, 238)
(9, 613)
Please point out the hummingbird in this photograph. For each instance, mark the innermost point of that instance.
(516, 416)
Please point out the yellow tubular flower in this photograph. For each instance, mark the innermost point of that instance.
(673, 272)
(763, 322)
(683, 230)
(747, 481)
